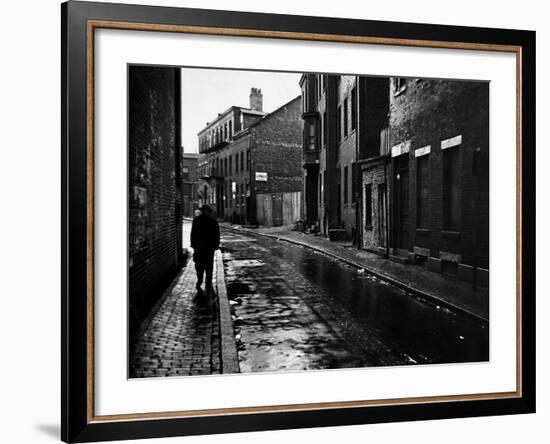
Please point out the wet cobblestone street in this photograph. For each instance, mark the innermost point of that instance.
(295, 309)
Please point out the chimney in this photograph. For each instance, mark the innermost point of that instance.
(256, 99)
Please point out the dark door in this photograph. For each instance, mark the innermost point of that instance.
(277, 206)
(402, 212)
(312, 198)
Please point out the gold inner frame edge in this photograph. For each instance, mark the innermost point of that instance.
(98, 24)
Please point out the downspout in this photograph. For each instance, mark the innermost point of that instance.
(386, 157)
(358, 190)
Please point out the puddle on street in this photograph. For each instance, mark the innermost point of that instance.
(279, 329)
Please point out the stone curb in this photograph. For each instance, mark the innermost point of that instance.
(229, 357)
(378, 274)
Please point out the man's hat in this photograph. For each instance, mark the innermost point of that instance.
(206, 208)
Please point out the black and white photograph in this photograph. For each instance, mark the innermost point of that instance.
(283, 221)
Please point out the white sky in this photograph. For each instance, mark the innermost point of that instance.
(207, 92)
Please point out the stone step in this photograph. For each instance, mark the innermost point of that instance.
(404, 260)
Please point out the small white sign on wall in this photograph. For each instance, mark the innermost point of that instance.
(261, 176)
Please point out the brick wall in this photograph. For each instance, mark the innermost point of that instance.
(427, 112)
(276, 148)
(154, 241)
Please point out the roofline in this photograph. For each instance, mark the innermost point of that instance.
(275, 111)
(227, 111)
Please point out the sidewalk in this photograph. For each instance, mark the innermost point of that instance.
(442, 290)
(187, 332)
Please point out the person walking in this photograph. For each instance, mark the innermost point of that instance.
(205, 240)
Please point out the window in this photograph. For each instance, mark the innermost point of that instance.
(422, 192)
(242, 161)
(321, 189)
(230, 172)
(225, 132)
(339, 124)
(382, 227)
(311, 136)
(248, 160)
(346, 185)
(368, 206)
(185, 173)
(325, 128)
(236, 162)
(451, 189)
(353, 108)
(399, 85)
(345, 117)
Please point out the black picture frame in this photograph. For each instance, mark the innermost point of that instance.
(77, 424)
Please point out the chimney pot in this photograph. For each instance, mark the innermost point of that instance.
(256, 99)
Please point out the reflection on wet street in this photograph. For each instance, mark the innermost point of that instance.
(296, 309)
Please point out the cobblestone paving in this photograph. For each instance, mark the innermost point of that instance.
(285, 322)
(297, 309)
(182, 337)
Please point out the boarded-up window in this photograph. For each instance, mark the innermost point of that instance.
(325, 128)
(451, 189)
(339, 124)
(345, 185)
(345, 111)
(422, 192)
(368, 206)
(353, 108)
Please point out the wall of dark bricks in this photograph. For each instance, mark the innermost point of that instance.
(427, 112)
(276, 148)
(154, 193)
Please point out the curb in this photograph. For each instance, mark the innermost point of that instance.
(229, 357)
(378, 274)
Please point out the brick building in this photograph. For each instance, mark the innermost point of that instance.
(400, 166)
(439, 138)
(189, 184)
(154, 194)
(343, 117)
(250, 163)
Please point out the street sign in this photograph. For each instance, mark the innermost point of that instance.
(261, 176)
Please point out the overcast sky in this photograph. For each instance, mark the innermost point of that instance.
(207, 92)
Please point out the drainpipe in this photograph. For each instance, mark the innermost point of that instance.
(386, 157)
(358, 187)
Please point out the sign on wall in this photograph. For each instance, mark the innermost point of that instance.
(261, 176)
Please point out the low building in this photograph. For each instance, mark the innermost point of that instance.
(251, 173)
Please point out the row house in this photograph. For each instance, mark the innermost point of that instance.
(399, 166)
(189, 183)
(251, 173)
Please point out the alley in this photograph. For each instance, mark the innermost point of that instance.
(296, 309)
